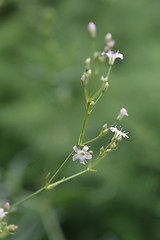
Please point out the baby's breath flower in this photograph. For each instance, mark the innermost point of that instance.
(2, 213)
(118, 133)
(112, 56)
(82, 155)
(123, 112)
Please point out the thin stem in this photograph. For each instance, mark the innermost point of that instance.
(98, 160)
(84, 124)
(28, 197)
(99, 97)
(109, 71)
(68, 178)
(60, 168)
(92, 140)
(86, 93)
(49, 187)
(94, 82)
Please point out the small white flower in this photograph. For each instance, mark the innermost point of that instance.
(118, 133)
(82, 155)
(123, 112)
(2, 213)
(112, 56)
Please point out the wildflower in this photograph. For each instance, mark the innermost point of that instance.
(2, 213)
(123, 112)
(118, 133)
(82, 155)
(112, 56)
(92, 30)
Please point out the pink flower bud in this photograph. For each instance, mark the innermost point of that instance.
(6, 206)
(111, 43)
(83, 79)
(92, 30)
(108, 37)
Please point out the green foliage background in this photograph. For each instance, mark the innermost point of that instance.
(43, 45)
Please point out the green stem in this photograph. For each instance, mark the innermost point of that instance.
(98, 160)
(84, 124)
(60, 168)
(99, 97)
(92, 140)
(28, 197)
(68, 178)
(94, 82)
(109, 71)
(49, 187)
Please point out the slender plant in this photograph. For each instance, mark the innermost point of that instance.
(81, 150)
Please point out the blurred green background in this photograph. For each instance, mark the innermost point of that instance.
(43, 45)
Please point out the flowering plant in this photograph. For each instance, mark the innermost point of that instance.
(81, 150)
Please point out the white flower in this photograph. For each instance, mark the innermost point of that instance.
(82, 155)
(118, 133)
(123, 112)
(2, 213)
(112, 56)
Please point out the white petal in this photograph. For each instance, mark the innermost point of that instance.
(75, 157)
(85, 148)
(76, 149)
(89, 156)
(113, 129)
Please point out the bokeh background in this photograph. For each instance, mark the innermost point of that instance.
(43, 45)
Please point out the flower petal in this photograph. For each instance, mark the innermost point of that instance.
(75, 157)
(85, 148)
(88, 156)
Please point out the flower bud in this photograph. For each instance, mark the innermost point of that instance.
(104, 130)
(111, 43)
(89, 72)
(87, 61)
(104, 126)
(83, 79)
(92, 103)
(123, 112)
(101, 150)
(92, 30)
(6, 206)
(12, 228)
(96, 55)
(105, 87)
(108, 37)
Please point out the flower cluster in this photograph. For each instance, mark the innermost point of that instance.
(92, 98)
(6, 229)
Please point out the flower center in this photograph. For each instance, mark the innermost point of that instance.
(81, 153)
